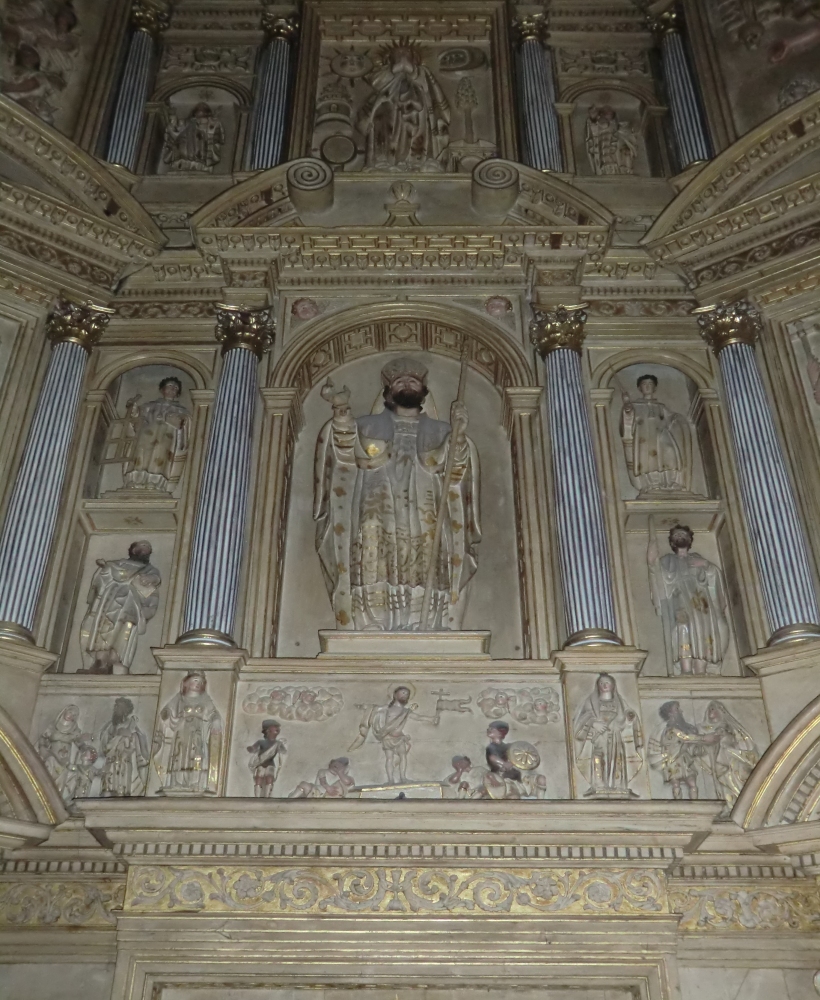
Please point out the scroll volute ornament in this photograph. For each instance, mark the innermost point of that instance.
(557, 328)
(239, 326)
(734, 323)
(77, 323)
(150, 16)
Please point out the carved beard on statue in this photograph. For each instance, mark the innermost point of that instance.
(405, 397)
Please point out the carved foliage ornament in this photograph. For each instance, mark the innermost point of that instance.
(238, 326)
(746, 908)
(48, 903)
(724, 324)
(394, 890)
(562, 327)
(80, 324)
(150, 16)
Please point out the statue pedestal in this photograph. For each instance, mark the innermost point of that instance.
(425, 645)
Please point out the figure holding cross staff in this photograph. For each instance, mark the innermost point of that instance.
(396, 507)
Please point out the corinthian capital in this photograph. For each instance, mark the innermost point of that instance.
(722, 324)
(276, 26)
(151, 16)
(668, 22)
(251, 329)
(530, 26)
(77, 324)
(559, 327)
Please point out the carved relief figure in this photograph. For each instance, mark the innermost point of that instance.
(266, 759)
(332, 782)
(812, 362)
(195, 142)
(125, 749)
(123, 598)
(386, 723)
(511, 768)
(611, 144)
(155, 442)
(609, 741)
(534, 706)
(465, 781)
(689, 594)
(406, 120)
(657, 442)
(731, 760)
(188, 740)
(379, 481)
(60, 743)
(81, 774)
(42, 43)
(677, 749)
(294, 704)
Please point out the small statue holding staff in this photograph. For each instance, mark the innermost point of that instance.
(396, 508)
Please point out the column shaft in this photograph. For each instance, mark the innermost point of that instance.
(542, 134)
(217, 548)
(777, 536)
(126, 127)
(270, 108)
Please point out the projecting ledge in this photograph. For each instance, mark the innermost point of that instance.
(424, 645)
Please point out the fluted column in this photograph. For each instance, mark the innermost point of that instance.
(776, 534)
(149, 18)
(586, 578)
(691, 134)
(269, 118)
(219, 529)
(31, 518)
(536, 88)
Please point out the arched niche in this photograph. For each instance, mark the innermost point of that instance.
(493, 601)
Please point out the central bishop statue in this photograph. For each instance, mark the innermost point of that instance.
(379, 480)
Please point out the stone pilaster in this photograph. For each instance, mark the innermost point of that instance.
(269, 118)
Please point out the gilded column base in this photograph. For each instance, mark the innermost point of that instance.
(13, 632)
(798, 632)
(593, 637)
(206, 637)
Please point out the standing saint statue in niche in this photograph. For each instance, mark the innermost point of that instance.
(611, 144)
(609, 738)
(154, 441)
(195, 142)
(657, 442)
(379, 480)
(188, 740)
(124, 597)
(689, 594)
(406, 120)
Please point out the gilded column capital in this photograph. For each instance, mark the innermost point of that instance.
(78, 324)
(723, 324)
(276, 26)
(150, 16)
(239, 326)
(556, 328)
(668, 22)
(531, 27)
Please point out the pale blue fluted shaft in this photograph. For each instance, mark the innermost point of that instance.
(270, 107)
(774, 526)
(542, 137)
(219, 528)
(25, 543)
(583, 550)
(129, 111)
(688, 125)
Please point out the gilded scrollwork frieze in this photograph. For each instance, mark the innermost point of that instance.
(45, 252)
(752, 906)
(387, 890)
(32, 902)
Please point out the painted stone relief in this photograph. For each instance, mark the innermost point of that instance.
(266, 759)
(115, 764)
(151, 440)
(385, 109)
(195, 142)
(534, 706)
(300, 704)
(124, 597)
(187, 747)
(378, 480)
(332, 782)
(611, 144)
(689, 594)
(657, 442)
(41, 43)
(812, 361)
(609, 741)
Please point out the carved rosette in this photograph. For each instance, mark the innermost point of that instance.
(532, 27)
(276, 26)
(562, 327)
(77, 324)
(251, 329)
(149, 16)
(736, 323)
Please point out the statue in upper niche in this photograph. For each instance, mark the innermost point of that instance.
(379, 481)
(406, 120)
(611, 144)
(195, 142)
(657, 442)
(155, 439)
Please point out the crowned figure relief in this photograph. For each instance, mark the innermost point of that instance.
(379, 482)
